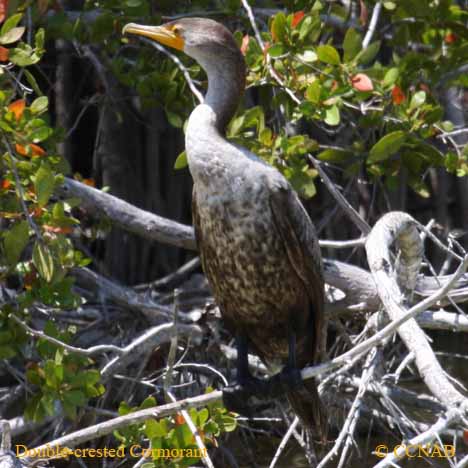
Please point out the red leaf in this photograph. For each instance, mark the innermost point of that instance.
(362, 82)
(6, 184)
(4, 54)
(297, 18)
(35, 150)
(36, 212)
(450, 38)
(17, 107)
(57, 229)
(465, 436)
(179, 419)
(245, 44)
(364, 13)
(3, 10)
(398, 96)
(90, 182)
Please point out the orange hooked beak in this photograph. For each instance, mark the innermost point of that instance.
(162, 34)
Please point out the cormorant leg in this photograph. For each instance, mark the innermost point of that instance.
(291, 371)
(235, 397)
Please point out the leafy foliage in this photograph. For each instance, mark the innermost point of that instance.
(36, 251)
(174, 433)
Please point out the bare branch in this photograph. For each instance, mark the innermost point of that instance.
(144, 343)
(131, 218)
(400, 227)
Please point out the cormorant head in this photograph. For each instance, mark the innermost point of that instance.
(201, 38)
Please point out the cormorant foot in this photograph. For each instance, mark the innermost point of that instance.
(235, 398)
(292, 378)
(289, 379)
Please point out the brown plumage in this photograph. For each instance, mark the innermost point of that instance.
(258, 246)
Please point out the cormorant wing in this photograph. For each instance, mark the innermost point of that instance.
(302, 247)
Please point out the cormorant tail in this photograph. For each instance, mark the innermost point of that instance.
(307, 405)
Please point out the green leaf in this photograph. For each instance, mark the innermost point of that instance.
(278, 27)
(40, 134)
(305, 27)
(174, 119)
(10, 23)
(32, 81)
(313, 92)
(43, 261)
(332, 116)
(228, 423)
(52, 377)
(265, 136)
(386, 146)
(276, 50)
(447, 126)
(334, 155)
(352, 44)
(39, 105)
(369, 53)
(39, 38)
(155, 428)
(15, 240)
(328, 54)
(12, 35)
(44, 184)
(7, 352)
(33, 377)
(75, 397)
(148, 402)
(202, 416)
(417, 100)
(91, 377)
(390, 77)
(47, 403)
(24, 55)
(181, 161)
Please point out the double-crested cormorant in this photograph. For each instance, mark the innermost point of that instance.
(258, 246)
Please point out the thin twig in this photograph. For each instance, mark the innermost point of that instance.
(99, 349)
(283, 442)
(198, 440)
(348, 209)
(372, 25)
(179, 64)
(172, 355)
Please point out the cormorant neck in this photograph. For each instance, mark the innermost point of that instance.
(226, 82)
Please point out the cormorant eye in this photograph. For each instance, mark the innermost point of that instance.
(176, 29)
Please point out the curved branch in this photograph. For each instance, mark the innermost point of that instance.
(131, 218)
(397, 227)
